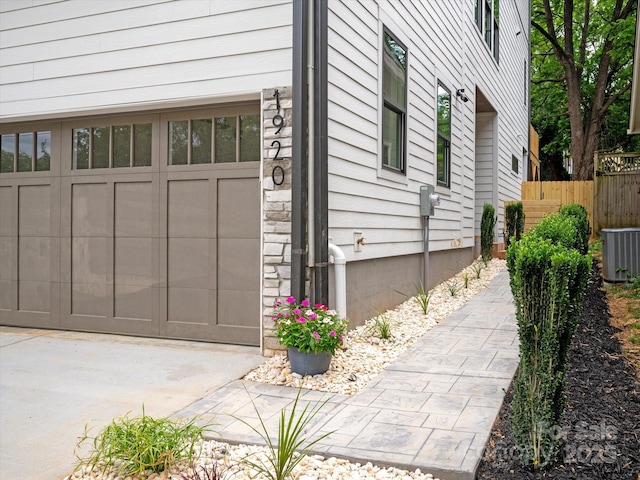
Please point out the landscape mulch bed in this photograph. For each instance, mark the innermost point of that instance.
(600, 431)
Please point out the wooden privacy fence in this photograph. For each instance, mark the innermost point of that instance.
(617, 190)
(536, 210)
(543, 198)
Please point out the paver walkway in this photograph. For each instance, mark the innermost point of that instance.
(432, 409)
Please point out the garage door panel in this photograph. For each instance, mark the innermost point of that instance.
(234, 307)
(238, 264)
(7, 211)
(188, 305)
(6, 294)
(188, 208)
(34, 296)
(134, 262)
(238, 208)
(89, 210)
(134, 301)
(90, 299)
(188, 262)
(34, 256)
(90, 260)
(34, 214)
(133, 209)
(8, 258)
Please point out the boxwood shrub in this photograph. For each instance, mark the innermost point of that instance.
(547, 282)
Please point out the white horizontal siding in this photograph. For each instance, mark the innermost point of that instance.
(89, 56)
(443, 46)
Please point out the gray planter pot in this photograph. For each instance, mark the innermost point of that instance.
(308, 363)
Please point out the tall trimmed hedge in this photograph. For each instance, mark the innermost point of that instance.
(548, 278)
(514, 215)
(559, 229)
(583, 228)
(487, 225)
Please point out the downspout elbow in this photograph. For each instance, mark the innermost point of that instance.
(337, 257)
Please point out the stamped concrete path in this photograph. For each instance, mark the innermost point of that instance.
(432, 409)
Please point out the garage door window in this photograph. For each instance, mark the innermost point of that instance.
(226, 139)
(114, 146)
(25, 152)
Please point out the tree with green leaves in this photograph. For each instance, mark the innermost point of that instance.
(582, 59)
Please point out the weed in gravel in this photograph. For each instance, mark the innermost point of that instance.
(208, 472)
(288, 450)
(133, 446)
(466, 280)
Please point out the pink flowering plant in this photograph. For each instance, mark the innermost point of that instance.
(310, 329)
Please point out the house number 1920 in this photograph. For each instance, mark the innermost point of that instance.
(277, 173)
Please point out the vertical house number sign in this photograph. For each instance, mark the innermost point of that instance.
(277, 173)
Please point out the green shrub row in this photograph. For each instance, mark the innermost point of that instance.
(548, 275)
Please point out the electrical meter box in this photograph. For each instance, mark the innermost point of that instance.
(428, 200)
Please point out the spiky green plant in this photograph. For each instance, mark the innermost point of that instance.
(381, 327)
(477, 268)
(423, 297)
(453, 287)
(288, 450)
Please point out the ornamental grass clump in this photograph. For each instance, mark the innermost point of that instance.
(310, 329)
(136, 446)
(547, 282)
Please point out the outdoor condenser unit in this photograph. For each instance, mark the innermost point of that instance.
(620, 254)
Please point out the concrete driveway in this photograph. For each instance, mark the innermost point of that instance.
(54, 383)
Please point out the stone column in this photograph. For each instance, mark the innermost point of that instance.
(276, 214)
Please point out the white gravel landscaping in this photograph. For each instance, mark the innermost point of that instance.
(364, 356)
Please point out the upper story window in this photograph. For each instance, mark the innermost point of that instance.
(443, 149)
(25, 152)
(112, 146)
(214, 140)
(487, 19)
(394, 113)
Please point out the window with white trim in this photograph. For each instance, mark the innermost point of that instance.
(394, 113)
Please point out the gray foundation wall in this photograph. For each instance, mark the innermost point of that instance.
(374, 285)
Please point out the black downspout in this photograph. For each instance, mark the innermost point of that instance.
(320, 172)
(299, 160)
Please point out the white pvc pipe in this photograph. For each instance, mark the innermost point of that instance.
(340, 274)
